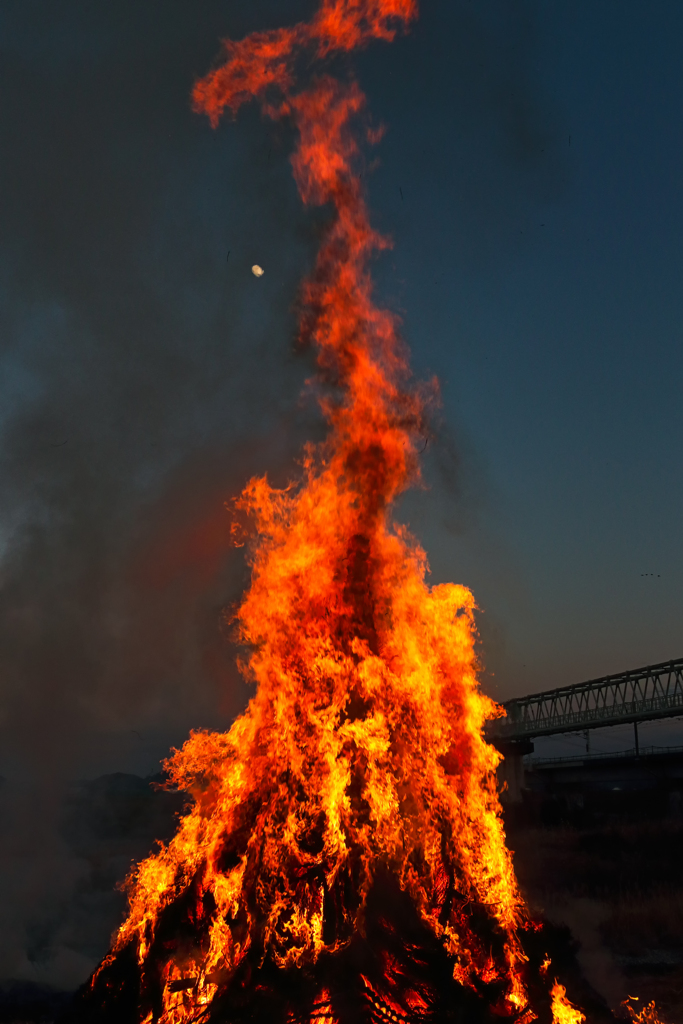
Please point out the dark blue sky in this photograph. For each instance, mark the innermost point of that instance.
(144, 377)
(530, 178)
(539, 252)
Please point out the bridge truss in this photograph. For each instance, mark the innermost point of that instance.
(638, 696)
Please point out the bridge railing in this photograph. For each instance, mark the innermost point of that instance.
(655, 691)
(570, 760)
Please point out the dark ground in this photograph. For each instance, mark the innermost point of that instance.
(616, 880)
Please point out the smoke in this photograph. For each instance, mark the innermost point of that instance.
(584, 916)
(482, 144)
(145, 376)
(146, 373)
(130, 340)
(481, 150)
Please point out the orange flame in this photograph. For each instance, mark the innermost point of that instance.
(647, 1015)
(563, 1011)
(361, 751)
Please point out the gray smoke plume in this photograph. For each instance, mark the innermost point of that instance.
(146, 374)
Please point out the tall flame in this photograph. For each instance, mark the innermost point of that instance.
(361, 753)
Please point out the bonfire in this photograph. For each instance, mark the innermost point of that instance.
(343, 858)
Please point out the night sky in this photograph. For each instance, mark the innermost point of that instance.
(530, 177)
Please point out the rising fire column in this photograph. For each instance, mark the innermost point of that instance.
(343, 858)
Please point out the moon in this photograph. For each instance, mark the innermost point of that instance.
(257, 271)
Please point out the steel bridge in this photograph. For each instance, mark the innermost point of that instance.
(644, 694)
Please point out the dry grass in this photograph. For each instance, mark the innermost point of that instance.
(637, 923)
(619, 888)
(666, 991)
(617, 862)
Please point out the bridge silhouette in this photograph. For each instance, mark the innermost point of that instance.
(641, 695)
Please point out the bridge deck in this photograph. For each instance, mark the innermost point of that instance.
(644, 694)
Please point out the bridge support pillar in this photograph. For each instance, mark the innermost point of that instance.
(511, 768)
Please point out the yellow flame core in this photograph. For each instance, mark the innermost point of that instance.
(564, 1012)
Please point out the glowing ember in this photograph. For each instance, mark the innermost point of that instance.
(356, 791)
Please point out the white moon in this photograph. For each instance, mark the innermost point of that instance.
(257, 271)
